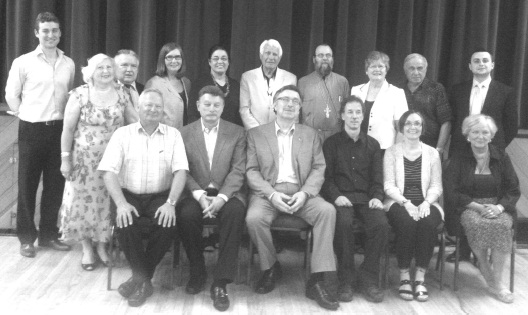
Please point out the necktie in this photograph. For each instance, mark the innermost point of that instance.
(476, 105)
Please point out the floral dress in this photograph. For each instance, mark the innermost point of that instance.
(85, 210)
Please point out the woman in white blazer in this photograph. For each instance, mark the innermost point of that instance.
(384, 103)
(412, 174)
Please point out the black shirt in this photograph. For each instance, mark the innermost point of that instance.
(353, 169)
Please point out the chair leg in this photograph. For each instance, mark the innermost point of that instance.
(110, 265)
(307, 254)
(457, 256)
(250, 262)
(442, 260)
(172, 255)
(512, 266)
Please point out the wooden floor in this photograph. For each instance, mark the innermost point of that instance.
(54, 283)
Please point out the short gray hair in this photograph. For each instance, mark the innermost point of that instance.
(272, 43)
(93, 62)
(412, 56)
(152, 90)
(127, 52)
(473, 120)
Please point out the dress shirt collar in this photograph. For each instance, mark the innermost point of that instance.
(38, 51)
(484, 83)
(161, 128)
(425, 84)
(361, 139)
(272, 75)
(207, 130)
(279, 132)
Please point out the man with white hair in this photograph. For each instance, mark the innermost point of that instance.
(258, 86)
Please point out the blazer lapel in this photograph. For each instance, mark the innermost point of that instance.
(273, 143)
(296, 147)
(220, 142)
(199, 143)
(489, 97)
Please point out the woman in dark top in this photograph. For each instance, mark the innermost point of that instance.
(482, 189)
(413, 182)
(219, 63)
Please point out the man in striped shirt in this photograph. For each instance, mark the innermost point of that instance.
(145, 169)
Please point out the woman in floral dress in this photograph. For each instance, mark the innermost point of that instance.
(93, 112)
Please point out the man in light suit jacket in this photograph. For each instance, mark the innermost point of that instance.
(482, 95)
(258, 86)
(216, 151)
(285, 171)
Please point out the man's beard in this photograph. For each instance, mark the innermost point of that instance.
(324, 69)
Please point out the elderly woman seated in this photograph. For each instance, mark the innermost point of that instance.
(481, 192)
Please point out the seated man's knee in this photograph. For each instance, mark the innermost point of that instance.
(255, 218)
(344, 218)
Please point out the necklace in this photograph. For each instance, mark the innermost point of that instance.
(226, 85)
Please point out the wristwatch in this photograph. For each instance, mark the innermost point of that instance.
(403, 202)
(171, 202)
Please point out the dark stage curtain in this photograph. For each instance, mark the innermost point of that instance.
(444, 31)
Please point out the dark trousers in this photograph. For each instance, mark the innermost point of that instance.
(376, 229)
(39, 154)
(230, 220)
(414, 238)
(143, 260)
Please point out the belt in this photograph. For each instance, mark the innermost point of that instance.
(48, 123)
(211, 192)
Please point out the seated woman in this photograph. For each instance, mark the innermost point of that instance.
(93, 112)
(174, 86)
(413, 182)
(217, 75)
(482, 190)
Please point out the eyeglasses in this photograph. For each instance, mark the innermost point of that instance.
(413, 124)
(377, 67)
(216, 59)
(287, 100)
(171, 58)
(321, 56)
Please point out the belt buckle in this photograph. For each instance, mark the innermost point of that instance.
(50, 123)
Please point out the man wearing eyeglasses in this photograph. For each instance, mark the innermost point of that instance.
(127, 70)
(285, 171)
(258, 86)
(322, 91)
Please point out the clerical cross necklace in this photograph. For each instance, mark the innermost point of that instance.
(327, 111)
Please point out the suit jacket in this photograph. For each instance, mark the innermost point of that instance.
(499, 104)
(229, 159)
(394, 175)
(139, 87)
(256, 106)
(389, 105)
(262, 166)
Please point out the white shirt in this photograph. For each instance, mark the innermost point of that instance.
(38, 90)
(286, 171)
(145, 163)
(478, 95)
(210, 136)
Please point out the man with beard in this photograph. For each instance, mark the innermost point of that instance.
(322, 91)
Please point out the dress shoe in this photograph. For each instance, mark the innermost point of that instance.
(195, 285)
(373, 294)
(143, 291)
(128, 287)
(317, 292)
(452, 257)
(266, 283)
(55, 244)
(345, 292)
(220, 298)
(27, 250)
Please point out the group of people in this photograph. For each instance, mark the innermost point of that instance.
(167, 158)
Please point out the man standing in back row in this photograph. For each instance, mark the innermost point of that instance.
(258, 86)
(127, 62)
(37, 91)
(322, 92)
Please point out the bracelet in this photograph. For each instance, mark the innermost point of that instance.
(65, 154)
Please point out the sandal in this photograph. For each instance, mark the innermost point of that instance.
(503, 295)
(420, 291)
(406, 295)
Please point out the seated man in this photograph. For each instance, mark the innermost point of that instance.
(145, 169)
(216, 151)
(354, 184)
(285, 170)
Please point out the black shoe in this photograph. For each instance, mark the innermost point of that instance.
(373, 294)
(317, 292)
(143, 291)
(128, 287)
(55, 244)
(195, 285)
(266, 283)
(28, 250)
(220, 298)
(345, 292)
(452, 257)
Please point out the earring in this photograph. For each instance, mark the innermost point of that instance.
(468, 139)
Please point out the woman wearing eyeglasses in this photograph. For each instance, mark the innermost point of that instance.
(412, 175)
(172, 83)
(218, 59)
(384, 103)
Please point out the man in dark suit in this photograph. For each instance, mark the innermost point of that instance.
(482, 95)
(285, 171)
(127, 62)
(216, 151)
